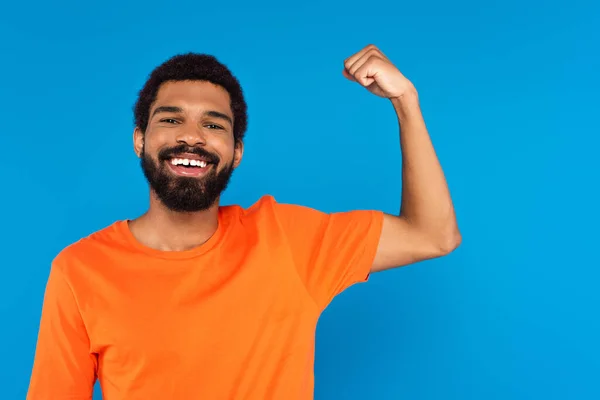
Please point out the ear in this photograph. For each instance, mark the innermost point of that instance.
(238, 153)
(138, 141)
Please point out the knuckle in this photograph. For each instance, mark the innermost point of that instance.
(375, 59)
(372, 59)
(373, 53)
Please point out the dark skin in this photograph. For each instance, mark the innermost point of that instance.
(426, 225)
(196, 114)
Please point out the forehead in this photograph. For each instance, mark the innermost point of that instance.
(193, 95)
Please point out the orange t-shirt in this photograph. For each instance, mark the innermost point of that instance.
(234, 318)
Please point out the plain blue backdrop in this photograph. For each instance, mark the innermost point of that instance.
(510, 94)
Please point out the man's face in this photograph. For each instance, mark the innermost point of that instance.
(188, 152)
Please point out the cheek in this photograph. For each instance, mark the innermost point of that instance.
(223, 147)
(230, 155)
(155, 140)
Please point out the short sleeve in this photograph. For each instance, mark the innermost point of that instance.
(63, 366)
(331, 251)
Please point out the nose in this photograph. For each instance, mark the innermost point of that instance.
(192, 136)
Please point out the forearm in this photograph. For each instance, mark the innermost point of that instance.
(426, 202)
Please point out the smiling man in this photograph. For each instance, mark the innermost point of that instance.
(197, 300)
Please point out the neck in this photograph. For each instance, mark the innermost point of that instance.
(167, 230)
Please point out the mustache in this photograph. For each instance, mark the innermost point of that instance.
(166, 154)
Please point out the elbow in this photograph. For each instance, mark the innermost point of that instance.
(449, 242)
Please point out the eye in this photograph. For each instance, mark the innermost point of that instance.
(213, 126)
(169, 120)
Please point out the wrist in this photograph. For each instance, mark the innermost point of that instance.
(407, 104)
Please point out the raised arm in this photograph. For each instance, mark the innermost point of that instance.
(426, 226)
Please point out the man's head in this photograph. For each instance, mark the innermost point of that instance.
(190, 121)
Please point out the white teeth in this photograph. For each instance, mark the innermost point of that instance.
(185, 161)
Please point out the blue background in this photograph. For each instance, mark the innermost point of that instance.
(510, 94)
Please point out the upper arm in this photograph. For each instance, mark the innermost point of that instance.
(63, 366)
(331, 251)
(403, 243)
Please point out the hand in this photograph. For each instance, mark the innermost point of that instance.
(373, 70)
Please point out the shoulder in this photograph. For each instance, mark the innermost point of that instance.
(267, 207)
(88, 251)
(302, 218)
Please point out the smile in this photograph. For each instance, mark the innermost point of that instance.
(189, 166)
(187, 162)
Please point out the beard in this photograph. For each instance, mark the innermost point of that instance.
(180, 193)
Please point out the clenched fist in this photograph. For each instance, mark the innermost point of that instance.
(373, 70)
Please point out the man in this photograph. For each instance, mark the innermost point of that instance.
(195, 300)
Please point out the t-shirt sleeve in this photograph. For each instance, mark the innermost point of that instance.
(63, 366)
(331, 251)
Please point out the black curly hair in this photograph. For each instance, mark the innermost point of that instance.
(195, 67)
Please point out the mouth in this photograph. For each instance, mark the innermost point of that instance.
(189, 165)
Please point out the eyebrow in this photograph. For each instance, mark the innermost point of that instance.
(210, 113)
(219, 115)
(167, 109)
